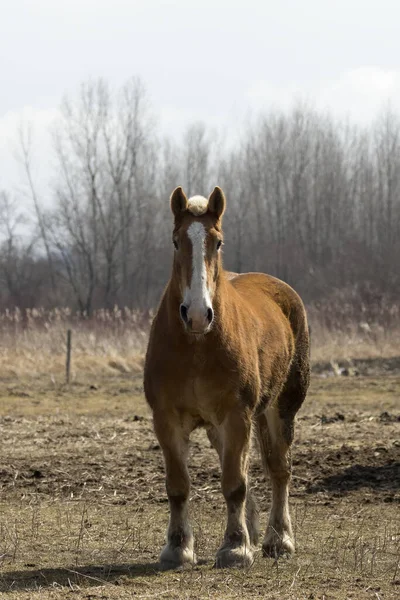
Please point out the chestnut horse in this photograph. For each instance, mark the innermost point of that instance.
(231, 353)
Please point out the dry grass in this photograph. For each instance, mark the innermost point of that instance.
(83, 511)
(82, 500)
(351, 324)
(34, 342)
(359, 340)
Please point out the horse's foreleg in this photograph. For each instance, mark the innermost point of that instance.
(252, 512)
(174, 441)
(236, 550)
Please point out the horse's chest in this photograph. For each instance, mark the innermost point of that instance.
(196, 384)
(206, 398)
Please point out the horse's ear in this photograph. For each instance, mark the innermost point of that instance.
(217, 202)
(178, 201)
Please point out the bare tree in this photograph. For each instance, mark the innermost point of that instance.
(25, 157)
(19, 277)
(313, 200)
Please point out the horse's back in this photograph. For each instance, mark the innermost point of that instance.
(259, 289)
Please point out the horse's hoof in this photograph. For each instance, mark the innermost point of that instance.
(277, 547)
(241, 557)
(174, 558)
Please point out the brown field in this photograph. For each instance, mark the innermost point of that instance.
(83, 510)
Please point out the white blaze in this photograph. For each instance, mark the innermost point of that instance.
(197, 295)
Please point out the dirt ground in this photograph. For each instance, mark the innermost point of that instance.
(83, 509)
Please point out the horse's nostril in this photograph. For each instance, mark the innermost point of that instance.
(183, 309)
(210, 314)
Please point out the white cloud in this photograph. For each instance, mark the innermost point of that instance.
(40, 121)
(267, 95)
(359, 93)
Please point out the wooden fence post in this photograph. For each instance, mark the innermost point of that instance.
(68, 365)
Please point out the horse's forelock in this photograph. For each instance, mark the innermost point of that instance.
(197, 205)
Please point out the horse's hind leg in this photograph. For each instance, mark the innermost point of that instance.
(174, 441)
(275, 432)
(252, 514)
(275, 452)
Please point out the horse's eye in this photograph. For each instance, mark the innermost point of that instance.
(219, 244)
(175, 244)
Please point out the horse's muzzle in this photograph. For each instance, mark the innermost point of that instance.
(196, 320)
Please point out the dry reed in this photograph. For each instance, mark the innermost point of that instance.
(33, 341)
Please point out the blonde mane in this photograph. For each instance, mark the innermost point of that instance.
(197, 205)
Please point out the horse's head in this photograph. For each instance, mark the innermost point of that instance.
(197, 238)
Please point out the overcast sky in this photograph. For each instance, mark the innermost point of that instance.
(209, 60)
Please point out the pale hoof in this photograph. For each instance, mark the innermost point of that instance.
(275, 546)
(173, 558)
(240, 557)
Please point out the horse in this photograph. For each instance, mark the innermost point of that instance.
(228, 352)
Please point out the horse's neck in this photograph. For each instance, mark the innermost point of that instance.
(224, 298)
